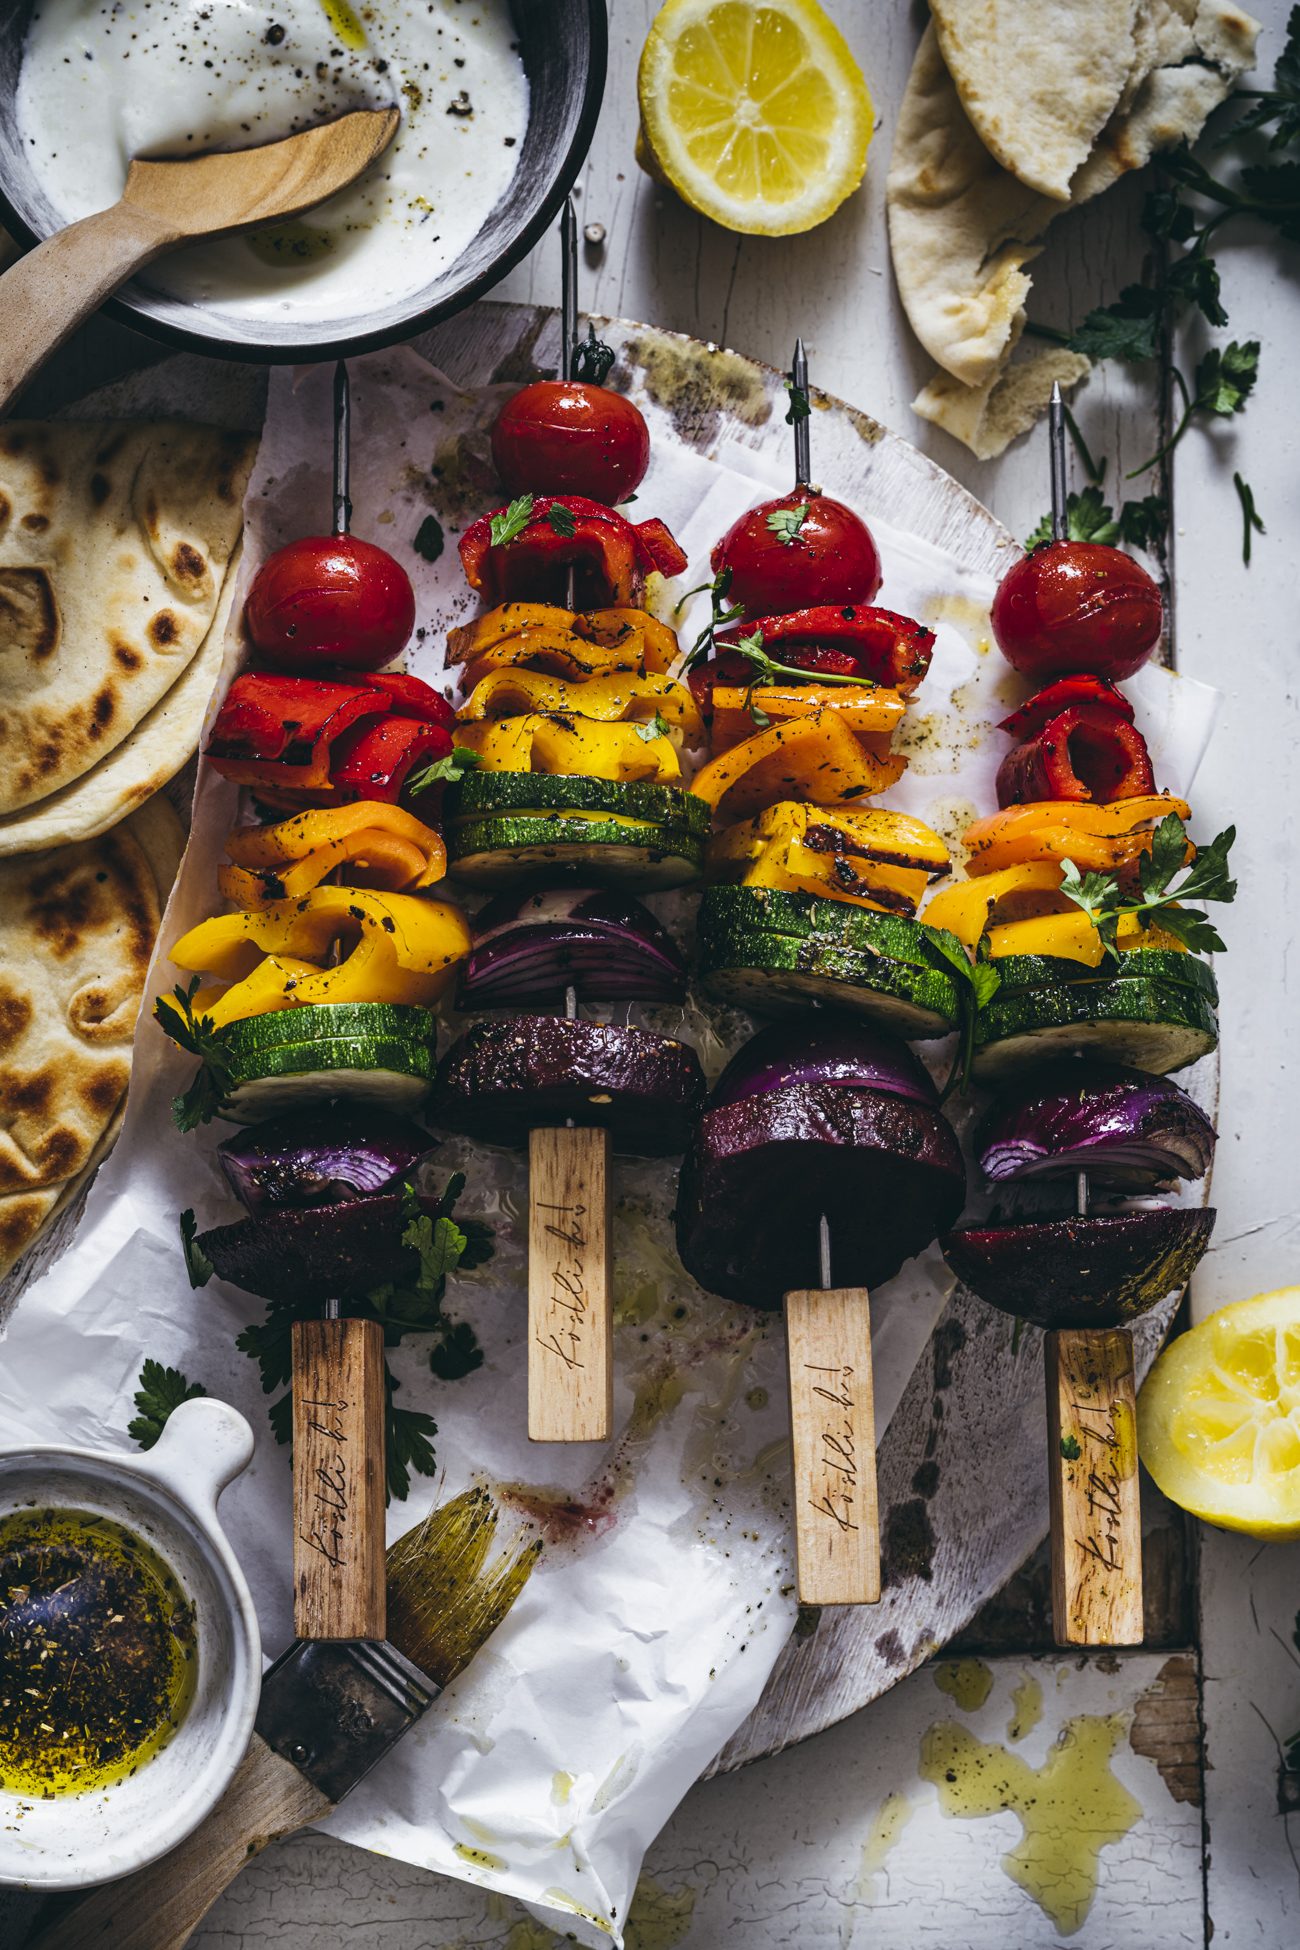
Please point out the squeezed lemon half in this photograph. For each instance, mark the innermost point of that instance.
(754, 111)
(1219, 1417)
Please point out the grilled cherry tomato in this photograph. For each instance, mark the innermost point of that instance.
(782, 560)
(561, 436)
(330, 599)
(1077, 606)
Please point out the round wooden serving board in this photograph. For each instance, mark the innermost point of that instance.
(962, 1467)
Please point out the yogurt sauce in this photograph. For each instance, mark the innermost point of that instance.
(105, 80)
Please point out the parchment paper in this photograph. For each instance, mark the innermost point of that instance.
(666, 1591)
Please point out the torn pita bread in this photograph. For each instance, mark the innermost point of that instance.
(1038, 79)
(145, 760)
(115, 538)
(77, 929)
(962, 228)
(988, 418)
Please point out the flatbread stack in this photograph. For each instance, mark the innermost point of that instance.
(118, 546)
(1016, 110)
(77, 929)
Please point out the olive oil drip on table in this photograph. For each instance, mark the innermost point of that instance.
(97, 1652)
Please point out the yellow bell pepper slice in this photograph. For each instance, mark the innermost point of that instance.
(872, 715)
(393, 948)
(815, 758)
(970, 907)
(555, 656)
(1072, 937)
(619, 697)
(634, 633)
(877, 859)
(1099, 839)
(369, 843)
(571, 745)
(659, 645)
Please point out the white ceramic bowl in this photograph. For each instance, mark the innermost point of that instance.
(168, 1496)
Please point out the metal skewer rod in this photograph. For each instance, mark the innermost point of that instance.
(824, 1250)
(568, 289)
(1081, 1194)
(1056, 448)
(342, 448)
(802, 429)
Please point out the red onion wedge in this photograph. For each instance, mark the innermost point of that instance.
(1126, 1129)
(309, 1159)
(530, 948)
(825, 1048)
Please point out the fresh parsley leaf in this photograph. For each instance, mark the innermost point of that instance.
(1087, 519)
(1226, 378)
(197, 1264)
(1194, 279)
(1206, 879)
(450, 769)
(785, 523)
(175, 1016)
(985, 982)
(593, 359)
(1278, 106)
(561, 519)
(1128, 329)
(1164, 214)
(160, 1390)
(1250, 521)
(458, 1352)
(429, 539)
(1168, 854)
(509, 522)
(722, 614)
(1070, 1448)
(769, 670)
(1144, 523)
(656, 727)
(799, 407)
(408, 1445)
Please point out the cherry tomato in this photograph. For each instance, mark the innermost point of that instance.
(1077, 606)
(330, 599)
(829, 557)
(562, 436)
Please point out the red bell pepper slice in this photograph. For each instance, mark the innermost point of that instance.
(411, 697)
(885, 648)
(375, 760)
(609, 554)
(278, 730)
(1080, 688)
(1086, 752)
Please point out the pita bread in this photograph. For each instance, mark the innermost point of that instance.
(962, 228)
(1038, 79)
(145, 760)
(987, 418)
(77, 929)
(115, 538)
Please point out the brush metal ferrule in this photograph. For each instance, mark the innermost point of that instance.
(333, 1707)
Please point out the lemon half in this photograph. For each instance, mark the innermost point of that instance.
(754, 111)
(1219, 1417)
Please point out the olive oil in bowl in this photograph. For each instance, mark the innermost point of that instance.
(98, 1652)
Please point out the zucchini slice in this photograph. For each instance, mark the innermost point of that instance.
(489, 794)
(494, 852)
(1151, 1024)
(1164, 964)
(373, 1053)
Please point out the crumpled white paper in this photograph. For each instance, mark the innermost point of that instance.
(665, 1595)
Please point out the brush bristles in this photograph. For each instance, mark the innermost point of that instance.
(443, 1600)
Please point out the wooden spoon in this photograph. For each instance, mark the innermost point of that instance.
(47, 293)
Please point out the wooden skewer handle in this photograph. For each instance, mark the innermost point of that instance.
(159, 1908)
(338, 1480)
(833, 1431)
(50, 291)
(1093, 1478)
(570, 1311)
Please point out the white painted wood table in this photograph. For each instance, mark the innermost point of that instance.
(851, 1839)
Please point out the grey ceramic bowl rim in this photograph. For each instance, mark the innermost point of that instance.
(286, 352)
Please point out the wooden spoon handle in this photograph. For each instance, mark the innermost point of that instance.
(159, 1908)
(47, 293)
(1093, 1478)
(338, 1480)
(570, 1318)
(833, 1430)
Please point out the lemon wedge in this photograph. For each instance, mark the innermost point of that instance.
(1219, 1417)
(754, 111)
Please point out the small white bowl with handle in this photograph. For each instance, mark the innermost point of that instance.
(168, 1496)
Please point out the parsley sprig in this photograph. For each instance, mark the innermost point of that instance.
(201, 1037)
(721, 614)
(512, 520)
(1206, 879)
(1090, 518)
(159, 1391)
(770, 670)
(785, 523)
(442, 1246)
(799, 407)
(593, 359)
(562, 520)
(450, 769)
(652, 728)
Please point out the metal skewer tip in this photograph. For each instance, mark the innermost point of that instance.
(342, 448)
(1056, 446)
(568, 289)
(802, 430)
(1081, 1194)
(824, 1250)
